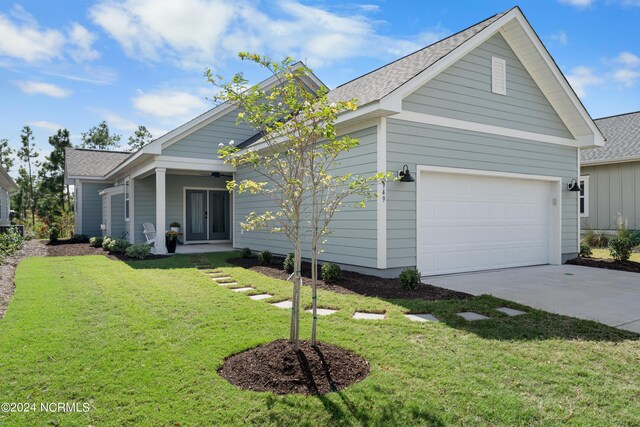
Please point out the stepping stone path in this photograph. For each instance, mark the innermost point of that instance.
(242, 289)
(472, 316)
(323, 311)
(510, 311)
(283, 304)
(260, 297)
(368, 316)
(221, 278)
(424, 317)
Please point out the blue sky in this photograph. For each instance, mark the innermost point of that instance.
(73, 63)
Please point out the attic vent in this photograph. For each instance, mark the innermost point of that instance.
(498, 76)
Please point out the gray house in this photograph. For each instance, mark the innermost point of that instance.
(484, 120)
(610, 176)
(7, 186)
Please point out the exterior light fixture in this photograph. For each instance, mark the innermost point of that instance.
(405, 175)
(573, 186)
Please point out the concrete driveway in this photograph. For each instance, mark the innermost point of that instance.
(607, 296)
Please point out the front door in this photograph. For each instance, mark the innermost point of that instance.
(196, 221)
(208, 215)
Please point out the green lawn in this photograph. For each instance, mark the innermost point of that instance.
(142, 343)
(604, 253)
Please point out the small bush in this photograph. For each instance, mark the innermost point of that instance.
(246, 253)
(289, 262)
(111, 246)
(80, 238)
(95, 242)
(265, 257)
(139, 251)
(105, 242)
(331, 273)
(595, 240)
(620, 248)
(119, 246)
(54, 233)
(409, 279)
(10, 243)
(585, 250)
(635, 238)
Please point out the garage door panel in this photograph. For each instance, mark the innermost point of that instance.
(469, 222)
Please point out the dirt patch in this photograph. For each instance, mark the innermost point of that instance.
(8, 270)
(609, 264)
(277, 368)
(354, 283)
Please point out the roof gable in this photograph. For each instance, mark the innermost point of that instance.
(623, 140)
(81, 162)
(6, 181)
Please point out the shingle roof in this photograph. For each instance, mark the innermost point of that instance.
(84, 162)
(623, 138)
(381, 82)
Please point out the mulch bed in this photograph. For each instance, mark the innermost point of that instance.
(277, 368)
(8, 270)
(354, 283)
(631, 266)
(71, 248)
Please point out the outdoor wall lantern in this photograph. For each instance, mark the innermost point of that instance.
(573, 186)
(405, 175)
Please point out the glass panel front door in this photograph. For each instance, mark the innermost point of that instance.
(208, 215)
(218, 215)
(196, 226)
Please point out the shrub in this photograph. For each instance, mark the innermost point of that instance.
(139, 251)
(111, 246)
(620, 248)
(265, 257)
(80, 238)
(331, 273)
(585, 250)
(119, 246)
(595, 240)
(635, 238)
(95, 242)
(105, 242)
(409, 279)
(10, 243)
(54, 233)
(289, 262)
(246, 253)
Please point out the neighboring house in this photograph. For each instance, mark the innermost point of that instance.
(7, 186)
(484, 120)
(610, 176)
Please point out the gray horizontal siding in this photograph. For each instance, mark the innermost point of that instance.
(92, 208)
(4, 207)
(420, 144)
(463, 91)
(144, 205)
(614, 192)
(105, 206)
(119, 228)
(354, 230)
(203, 143)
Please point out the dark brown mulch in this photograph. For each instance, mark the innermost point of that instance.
(70, 248)
(609, 264)
(8, 270)
(277, 368)
(354, 283)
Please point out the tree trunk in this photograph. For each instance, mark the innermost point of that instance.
(314, 285)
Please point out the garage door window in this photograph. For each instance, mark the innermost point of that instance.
(584, 196)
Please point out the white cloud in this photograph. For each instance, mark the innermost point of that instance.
(626, 77)
(578, 3)
(41, 88)
(583, 77)
(628, 59)
(169, 104)
(632, 3)
(194, 33)
(560, 37)
(81, 41)
(43, 124)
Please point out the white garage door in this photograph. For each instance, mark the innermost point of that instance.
(473, 222)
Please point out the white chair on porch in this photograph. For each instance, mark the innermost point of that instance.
(149, 233)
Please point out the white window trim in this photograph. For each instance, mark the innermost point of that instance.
(127, 198)
(500, 89)
(585, 190)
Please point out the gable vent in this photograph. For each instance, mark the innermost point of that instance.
(498, 76)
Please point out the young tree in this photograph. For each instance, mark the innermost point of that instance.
(140, 138)
(100, 138)
(6, 153)
(52, 188)
(28, 155)
(296, 124)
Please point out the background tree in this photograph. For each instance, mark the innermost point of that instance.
(6, 155)
(140, 138)
(52, 189)
(20, 199)
(28, 155)
(100, 138)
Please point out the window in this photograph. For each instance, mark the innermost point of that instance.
(584, 196)
(126, 199)
(498, 76)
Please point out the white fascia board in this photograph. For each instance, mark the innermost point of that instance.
(112, 190)
(89, 178)
(7, 182)
(182, 163)
(610, 161)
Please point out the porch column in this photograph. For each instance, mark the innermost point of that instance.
(161, 205)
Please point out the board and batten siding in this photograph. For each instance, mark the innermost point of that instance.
(421, 144)
(92, 208)
(144, 205)
(614, 192)
(463, 91)
(119, 228)
(204, 143)
(105, 217)
(354, 238)
(4, 207)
